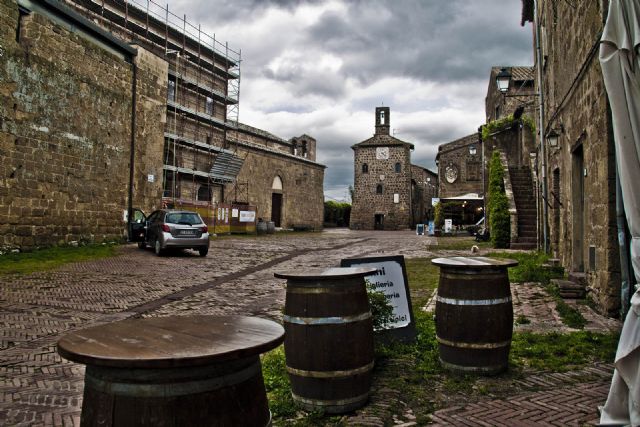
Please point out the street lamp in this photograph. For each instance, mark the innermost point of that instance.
(552, 138)
(503, 79)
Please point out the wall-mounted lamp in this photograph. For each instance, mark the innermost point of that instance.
(503, 78)
(554, 135)
(472, 149)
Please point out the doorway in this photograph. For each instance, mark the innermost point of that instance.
(577, 199)
(276, 208)
(378, 222)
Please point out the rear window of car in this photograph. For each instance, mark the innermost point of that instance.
(186, 218)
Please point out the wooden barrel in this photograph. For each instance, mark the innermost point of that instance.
(474, 314)
(174, 371)
(271, 227)
(328, 338)
(261, 227)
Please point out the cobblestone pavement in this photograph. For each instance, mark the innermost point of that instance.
(37, 387)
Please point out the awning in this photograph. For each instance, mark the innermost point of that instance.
(468, 196)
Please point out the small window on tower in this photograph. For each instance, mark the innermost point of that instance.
(379, 189)
(382, 117)
(365, 168)
(398, 167)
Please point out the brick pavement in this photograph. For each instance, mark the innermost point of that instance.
(37, 387)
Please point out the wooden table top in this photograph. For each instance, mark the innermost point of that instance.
(326, 273)
(167, 342)
(476, 262)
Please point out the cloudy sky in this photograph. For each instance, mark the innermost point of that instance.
(321, 67)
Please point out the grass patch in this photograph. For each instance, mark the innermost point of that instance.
(529, 268)
(460, 243)
(51, 258)
(562, 352)
(423, 278)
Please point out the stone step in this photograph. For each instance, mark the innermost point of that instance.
(569, 289)
(578, 277)
(523, 246)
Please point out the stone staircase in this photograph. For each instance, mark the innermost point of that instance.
(526, 207)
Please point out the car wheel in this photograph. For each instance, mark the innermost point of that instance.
(158, 249)
(203, 251)
(142, 245)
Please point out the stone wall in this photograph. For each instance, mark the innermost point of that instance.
(65, 133)
(576, 104)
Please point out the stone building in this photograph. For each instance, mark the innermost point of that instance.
(108, 106)
(581, 166)
(460, 167)
(385, 187)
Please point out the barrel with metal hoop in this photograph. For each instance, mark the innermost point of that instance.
(474, 314)
(328, 338)
(174, 371)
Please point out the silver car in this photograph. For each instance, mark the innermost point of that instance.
(168, 229)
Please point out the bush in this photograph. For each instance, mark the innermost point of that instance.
(438, 219)
(337, 213)
(381, 309)
(499, 221)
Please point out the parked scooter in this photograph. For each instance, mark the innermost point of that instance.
(482, 235)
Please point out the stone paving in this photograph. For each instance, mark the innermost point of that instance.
(37, 387)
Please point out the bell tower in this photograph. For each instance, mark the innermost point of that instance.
(383, 120)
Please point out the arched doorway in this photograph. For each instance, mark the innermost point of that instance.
(276, 201)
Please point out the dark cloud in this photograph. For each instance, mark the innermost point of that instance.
(427, 40)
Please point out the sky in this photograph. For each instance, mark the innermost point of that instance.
(322, 67)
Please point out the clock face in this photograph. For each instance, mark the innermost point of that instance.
(451, 174)
(382, 153)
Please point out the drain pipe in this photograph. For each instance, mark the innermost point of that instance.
(545, 208)
(134, 95)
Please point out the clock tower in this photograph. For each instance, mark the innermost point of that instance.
(382, 193)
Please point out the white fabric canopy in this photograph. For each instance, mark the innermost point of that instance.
(621, 70)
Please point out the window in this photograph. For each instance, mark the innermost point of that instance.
(204, 193)
(379, 189)
(208, 106)
(382, 117)
(365, 168)
(398, 167)
(473, 171)
(171, 91)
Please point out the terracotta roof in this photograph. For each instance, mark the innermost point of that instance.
(382, 141)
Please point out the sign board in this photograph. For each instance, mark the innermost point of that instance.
(390, 279)
(431, 228)
(151, 178)
(448, 225)
(247, 216)
(435, 201)
(234, 213)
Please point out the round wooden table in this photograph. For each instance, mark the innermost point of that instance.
(174, 371)
(474, 314)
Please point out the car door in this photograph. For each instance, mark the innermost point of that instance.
(137, 226)
(152, 226)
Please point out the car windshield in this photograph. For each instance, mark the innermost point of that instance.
(186, 218)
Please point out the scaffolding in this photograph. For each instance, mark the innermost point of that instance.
(202, 97)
